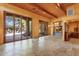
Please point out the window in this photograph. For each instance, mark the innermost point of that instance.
(70, 12)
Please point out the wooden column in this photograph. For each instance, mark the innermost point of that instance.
(1, 27)
(63, 31)
(35, 27)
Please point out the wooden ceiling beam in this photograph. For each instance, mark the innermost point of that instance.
(28, 10)
(60, 7)
(44, 10)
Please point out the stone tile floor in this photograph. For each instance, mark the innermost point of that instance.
(43, 46)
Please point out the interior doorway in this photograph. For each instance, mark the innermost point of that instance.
(43, 29)
(57, 29)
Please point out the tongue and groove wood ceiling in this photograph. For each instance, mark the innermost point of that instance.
(49, 10)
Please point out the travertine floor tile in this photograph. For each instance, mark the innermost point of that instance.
(43, 46)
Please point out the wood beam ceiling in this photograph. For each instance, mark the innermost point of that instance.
(21, 6)
(60, 7)
(39, 9)
(45, 10)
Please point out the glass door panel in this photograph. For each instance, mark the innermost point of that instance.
(46, 28)
(43, 28)
(30, 28)
(24, 29)
(17, 28)
(9, 27)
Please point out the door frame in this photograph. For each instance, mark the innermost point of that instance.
(45, 23)
(14, 15)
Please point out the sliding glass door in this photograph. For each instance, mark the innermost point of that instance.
(9, 28)
(17, 27)
(29, 28)
(24, 28)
